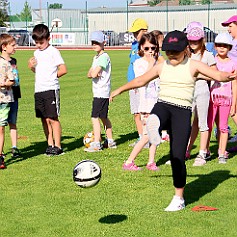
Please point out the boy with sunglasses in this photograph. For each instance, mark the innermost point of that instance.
(100, 73)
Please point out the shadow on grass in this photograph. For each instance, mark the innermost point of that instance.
(124, 138)
(112, 219)
(38, 148)
(205, 184)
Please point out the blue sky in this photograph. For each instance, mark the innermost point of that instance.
(17, 5)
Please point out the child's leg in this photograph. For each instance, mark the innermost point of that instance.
(108, 128)
(138, 122)
(13, 134)
(152, 154)
(224, 112)
(137, 149)
(2, 136)
(56, 131)
(96, 129)
(48, 131)
(194, 132)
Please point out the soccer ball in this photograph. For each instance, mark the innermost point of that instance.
(229, 132)
(88, 138)
(86, 173)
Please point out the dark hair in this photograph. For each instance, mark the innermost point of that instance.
(40, 32)
(5, 39)
(151, 38)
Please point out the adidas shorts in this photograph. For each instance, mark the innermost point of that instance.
(47, 104)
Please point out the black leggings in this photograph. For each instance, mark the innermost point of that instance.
(177, 121)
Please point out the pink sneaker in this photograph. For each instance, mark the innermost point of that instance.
(152, 167)
(187, 155)
(131, 167)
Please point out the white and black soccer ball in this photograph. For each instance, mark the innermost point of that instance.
(229, 132)
(86, 173)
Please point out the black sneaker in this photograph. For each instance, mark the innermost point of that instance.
(56, 151)
(2, 163)
(49, 151)
(15, 152)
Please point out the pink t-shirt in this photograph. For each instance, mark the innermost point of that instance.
(221, 92)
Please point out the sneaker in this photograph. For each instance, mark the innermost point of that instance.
(222, 160)
(15, 152)
(166, 138)
(187, 155)
(199, 161)
(131, 166)
(152, 166)
(109, 145)
(56, 151)
(233, 139)
(93, 147)
(2, 163)
(168, 162)
(208, 155)
(232, 149)
(49, 151)
(176, 204)
(153, 125)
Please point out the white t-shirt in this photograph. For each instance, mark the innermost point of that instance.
(101, 85)
(148, 94)
(46, 69)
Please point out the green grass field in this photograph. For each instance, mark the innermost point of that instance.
(39, 198)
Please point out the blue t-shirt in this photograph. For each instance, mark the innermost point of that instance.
(133, 57)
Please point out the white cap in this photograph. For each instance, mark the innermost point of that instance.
(97, 36)
(224, 38)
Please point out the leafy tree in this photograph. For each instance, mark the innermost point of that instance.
(153, 2)
(3, 12)
(185, 2)
(56, 6)
(25, 14)
(206, 2)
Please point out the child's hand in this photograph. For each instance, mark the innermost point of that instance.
(113, 94)
(232, 110)
(32, 62)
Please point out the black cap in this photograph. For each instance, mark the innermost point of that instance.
(175, 40)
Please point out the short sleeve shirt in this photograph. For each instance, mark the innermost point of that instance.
(101, 85)
(46, 69)
(6, 74)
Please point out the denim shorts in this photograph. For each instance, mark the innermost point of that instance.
(12, 116)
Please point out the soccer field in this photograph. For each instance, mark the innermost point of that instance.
(39, 197)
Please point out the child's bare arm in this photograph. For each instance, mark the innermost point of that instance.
(212, 74)
(94, 72)
(32, 63)
(62, 70)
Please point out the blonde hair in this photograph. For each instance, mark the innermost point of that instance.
(5, 39)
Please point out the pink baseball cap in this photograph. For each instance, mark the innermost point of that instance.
(193, 24)
(230, 20)
(195, 34)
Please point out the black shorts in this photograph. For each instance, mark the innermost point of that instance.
(100, 107)
(47, 104)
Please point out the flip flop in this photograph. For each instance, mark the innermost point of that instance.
(203, 208)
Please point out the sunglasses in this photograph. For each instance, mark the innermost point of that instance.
(148, 48)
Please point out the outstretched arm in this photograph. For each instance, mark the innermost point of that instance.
(212, 74)
(137, 82)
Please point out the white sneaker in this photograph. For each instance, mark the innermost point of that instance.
(233, 139)
(168, 162)
(153, 125)
(176, 204)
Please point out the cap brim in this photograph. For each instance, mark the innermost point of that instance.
(172, 47)
(226, 23)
